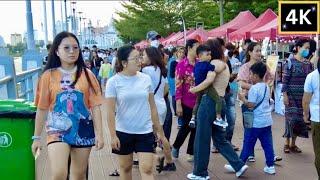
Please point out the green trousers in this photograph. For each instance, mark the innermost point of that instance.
(213, 94)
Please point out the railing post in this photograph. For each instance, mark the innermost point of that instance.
(8, 90)
(31, 60)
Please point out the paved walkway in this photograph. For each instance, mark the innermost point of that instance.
(292, 167)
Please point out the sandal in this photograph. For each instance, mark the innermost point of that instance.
(159, 167)
(295, 149)
(286, 149)
(115, 173)
(135, 162)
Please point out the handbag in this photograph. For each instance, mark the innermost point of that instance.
(247, 113)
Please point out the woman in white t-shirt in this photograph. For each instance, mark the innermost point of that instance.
(132, 114)
(155, 68)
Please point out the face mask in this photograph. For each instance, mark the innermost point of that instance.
(304, 53)
(155, 43)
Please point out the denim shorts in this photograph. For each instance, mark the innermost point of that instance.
(130, 143)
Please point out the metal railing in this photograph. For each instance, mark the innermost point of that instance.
(20, 85)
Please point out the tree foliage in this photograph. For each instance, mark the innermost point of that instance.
(164, 16)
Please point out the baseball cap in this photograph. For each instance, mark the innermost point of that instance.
(152, 35)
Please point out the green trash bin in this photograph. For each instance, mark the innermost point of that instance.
(16, 128)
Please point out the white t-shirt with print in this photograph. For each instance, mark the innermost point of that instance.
(154, 74)
(262, 114)
(133, 114)
(311, 85)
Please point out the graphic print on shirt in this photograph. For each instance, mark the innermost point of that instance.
(70, 121)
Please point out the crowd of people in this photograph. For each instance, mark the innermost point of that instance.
(143, 89)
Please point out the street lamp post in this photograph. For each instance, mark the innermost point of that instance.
(84, 31)
(30, 40)
(45, 23)
(53, 19)
(65, 15)
(80, 32)
(184, 30)
(74, 28)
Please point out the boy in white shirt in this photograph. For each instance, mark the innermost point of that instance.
(258, 101)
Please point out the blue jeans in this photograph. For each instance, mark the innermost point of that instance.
(230, 112)
(174, 105)
(206, 129)
(250, 138)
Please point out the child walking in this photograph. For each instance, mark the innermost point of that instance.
(105, 73)
(258, 100)
(200, 73)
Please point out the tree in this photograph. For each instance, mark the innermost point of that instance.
(164, 16)
(17, 50)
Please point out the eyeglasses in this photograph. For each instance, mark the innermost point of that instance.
(67, 81)
(136, 59)
(68, 48)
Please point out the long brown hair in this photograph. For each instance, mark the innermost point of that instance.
(155, 58)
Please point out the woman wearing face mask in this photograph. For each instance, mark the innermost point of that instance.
(295, 73)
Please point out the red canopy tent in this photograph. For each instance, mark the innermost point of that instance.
(244, 33)
(166, 38)
(268, 30)
(271, 30)
(175, 38)
(199, 34)
(242, 19)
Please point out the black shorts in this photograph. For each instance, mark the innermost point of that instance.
(130, 143)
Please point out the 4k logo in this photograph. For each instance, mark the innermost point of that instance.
(298, 17)
(5, 139)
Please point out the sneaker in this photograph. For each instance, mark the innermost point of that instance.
(220, 122)
(214, 150)
(269, 170)
(170, 167)
(235, 148)
(277, 158)
(242, 170)
(175, 152)
(192, 123)
(251, 159)
(191, 176)
(190, 158)
(229, 168)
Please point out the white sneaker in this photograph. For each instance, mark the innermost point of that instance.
(269, 170)
(251, 159)
(190, 158)
(191, 176)
(229, 168)
(242, 170)
(220, 122)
